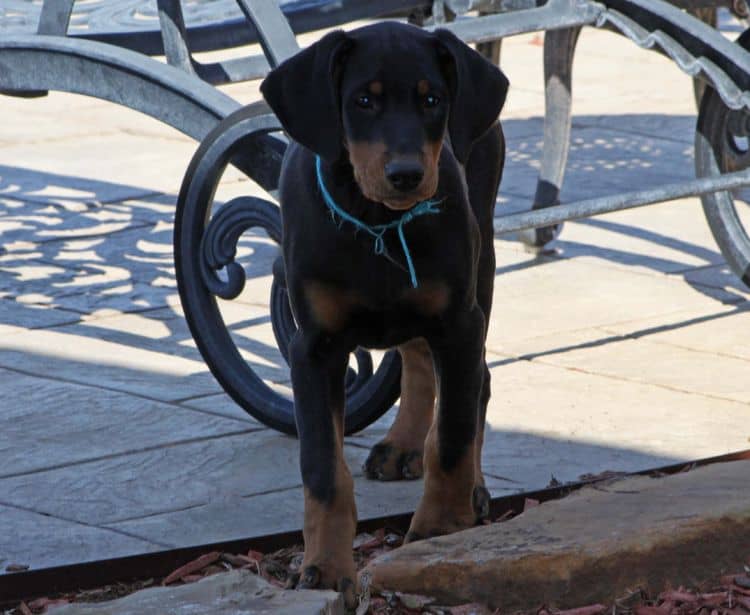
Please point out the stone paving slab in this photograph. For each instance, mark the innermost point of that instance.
(719, 276)
(31, 315)
(594, 546)
(594, 151)
(148, 354)
(627, 418)
(28, 537)
(53, 425)
(82, 289)
(543, 296)
(671, 127)
(77, 353)
(134, 485)
(681, 369)
(238, 592)
(220, 403)
(239, 516)
(724, 332)
(669, 238)
(128, 486)
(161, 165)
(36, 223)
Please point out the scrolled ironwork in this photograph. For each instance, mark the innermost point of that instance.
(219, 243)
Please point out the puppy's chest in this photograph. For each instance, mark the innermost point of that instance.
(376, 318)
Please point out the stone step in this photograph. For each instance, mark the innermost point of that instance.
(593, 546)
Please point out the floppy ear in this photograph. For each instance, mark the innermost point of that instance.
(478, 91)
(303, 93)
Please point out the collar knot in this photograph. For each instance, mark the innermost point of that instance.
(378, 231)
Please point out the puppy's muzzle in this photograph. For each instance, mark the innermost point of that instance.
(404, 175)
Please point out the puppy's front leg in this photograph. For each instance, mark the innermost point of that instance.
(318, 370)
(450, 470)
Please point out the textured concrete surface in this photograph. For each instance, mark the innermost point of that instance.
(590, 547)
(238, 592)
(624, 348)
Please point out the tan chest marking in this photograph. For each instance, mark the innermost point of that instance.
(330, 306)
(430, 299)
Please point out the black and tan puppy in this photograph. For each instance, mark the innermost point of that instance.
(387, 197)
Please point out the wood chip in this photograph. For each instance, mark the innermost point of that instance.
(191, 578)
(255, 556)
(714, 599)
(192, 567)
(43, 603)
(508, 514)
(415, 602)
(25, 610)
(678, 595)
(592, 609)
(472, 608)
(236, 560)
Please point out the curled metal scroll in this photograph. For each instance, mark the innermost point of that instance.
(219, 243)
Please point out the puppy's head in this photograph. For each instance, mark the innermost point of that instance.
(384, 96)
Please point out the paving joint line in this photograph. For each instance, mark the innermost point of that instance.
(85, 524)
(198, 505)
(636, 336)
(115, 390)
(134, 451)
(641, 382)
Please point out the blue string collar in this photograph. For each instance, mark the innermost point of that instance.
(377, 231)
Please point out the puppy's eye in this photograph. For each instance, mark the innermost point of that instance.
(430, 101)
(364, 101)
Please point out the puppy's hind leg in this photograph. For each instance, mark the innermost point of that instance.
(399, 454)
(451, 475)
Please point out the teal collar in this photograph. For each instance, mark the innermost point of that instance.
(377, 231)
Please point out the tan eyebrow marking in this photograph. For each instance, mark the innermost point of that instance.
(376, 87)
(423, 87)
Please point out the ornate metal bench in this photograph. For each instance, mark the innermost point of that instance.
(113, 63)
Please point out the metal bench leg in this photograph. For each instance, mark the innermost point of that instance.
(559, 49)
(174, 35)
(55, 17)
(276, 36)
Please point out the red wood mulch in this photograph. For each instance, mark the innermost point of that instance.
(730, 597)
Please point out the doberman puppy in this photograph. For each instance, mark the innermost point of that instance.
(387, 194)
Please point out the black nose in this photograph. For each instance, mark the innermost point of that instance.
(404, 175)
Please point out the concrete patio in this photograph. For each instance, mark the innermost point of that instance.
(627, 347)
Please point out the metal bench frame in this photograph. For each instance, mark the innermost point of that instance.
(181, 93)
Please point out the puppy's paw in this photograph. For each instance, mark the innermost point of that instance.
(342, 579)
(390, 462)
